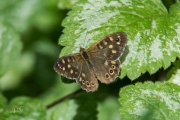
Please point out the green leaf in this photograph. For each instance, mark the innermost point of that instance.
(25, 14)
(66, 4)
(150, 101)
(82, 107)
(87, 106)
(174, 73)
(60, 89)
(3, 102)
(21, 68)
(63, 111)
(153, 33)
(24, 108)
(17, 13)
(108, 109)
(10, 47)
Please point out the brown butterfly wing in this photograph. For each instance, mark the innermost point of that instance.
(87, 78)
(111, 47)
(105, 56)
(69, 66)
(106, 70)
(73, 66)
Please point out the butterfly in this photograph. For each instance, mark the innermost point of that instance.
(99, 62)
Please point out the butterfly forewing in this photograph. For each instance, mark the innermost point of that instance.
(73, 66)
(69, 66)
(111, 47)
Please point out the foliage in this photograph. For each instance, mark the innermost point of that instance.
(30, 29)
(154, 101)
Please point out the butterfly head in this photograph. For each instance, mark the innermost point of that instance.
(82, 50)
(84, 53)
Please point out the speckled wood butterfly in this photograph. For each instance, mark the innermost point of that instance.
(100, 61)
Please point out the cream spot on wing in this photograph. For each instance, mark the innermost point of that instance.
(113, 62)
(105, 43)
(83, 74)
(111, 39)
(118, 43)
(71, 71)
(68, 60)
(110, 46)
(100, 46)
(114, 51)
(80, 79)
(105, 63)
(119, 37)
(69, 66)
(63, 68)
(63, 61)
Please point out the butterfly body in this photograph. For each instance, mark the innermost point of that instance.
(100, 61)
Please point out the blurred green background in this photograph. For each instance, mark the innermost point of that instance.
(35, 26)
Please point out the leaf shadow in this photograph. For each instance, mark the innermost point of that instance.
(124, 55)
(88, 102)
(87, 106)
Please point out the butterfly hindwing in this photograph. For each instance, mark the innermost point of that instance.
(106, 70)
(87, 78)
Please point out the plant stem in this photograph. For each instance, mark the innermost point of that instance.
(63, 98)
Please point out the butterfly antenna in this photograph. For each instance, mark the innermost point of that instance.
(85, 39)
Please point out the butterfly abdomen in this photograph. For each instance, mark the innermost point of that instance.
(86, 57)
